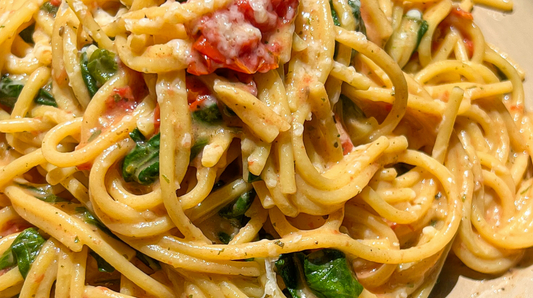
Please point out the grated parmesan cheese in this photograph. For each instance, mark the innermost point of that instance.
(231, 31)
(186, 140)
(103, 18)
(298, 129)
(271, 285)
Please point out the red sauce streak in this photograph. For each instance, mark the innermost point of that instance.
(445, 96)
(125, 99)
(5, 270)
(197, 93)
(257, 54)
(85, 166)
(122, 102)
(346, 142)
(14, 226)
(458, 19)
(517, 108)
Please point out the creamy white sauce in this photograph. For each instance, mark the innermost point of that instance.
(271, 284)
(415, 14)
(298, 129)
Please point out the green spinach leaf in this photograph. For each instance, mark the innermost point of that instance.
(27, 34)
(103, 265)
(327, 274)
(23, 251)
(88, 79)
(253, 178)
(356, 11)
(43, 192)
(287, 268)
(351, 108)
(238, 207)
(148, 261)
(89, 218)
(208, 114)
(324, 272)
(421, 31)
(49, 8)
(102, 65)
(142, 163)
(224, 237)
(45, 98)
(9, 91)
(198, 147)
(334, 14)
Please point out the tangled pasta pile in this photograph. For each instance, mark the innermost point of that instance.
(253, 148)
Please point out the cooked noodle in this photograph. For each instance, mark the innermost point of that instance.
(390, 131)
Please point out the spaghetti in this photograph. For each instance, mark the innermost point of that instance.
(255, 148)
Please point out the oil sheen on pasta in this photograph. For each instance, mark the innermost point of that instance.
(254, 148)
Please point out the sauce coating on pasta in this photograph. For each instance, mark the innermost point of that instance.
(256, 148)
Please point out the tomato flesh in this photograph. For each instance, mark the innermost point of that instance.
(241, 37)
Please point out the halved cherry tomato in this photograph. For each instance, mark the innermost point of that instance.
(255, 54)
(250, 61)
